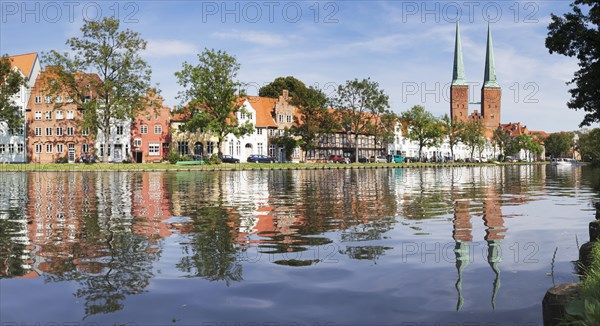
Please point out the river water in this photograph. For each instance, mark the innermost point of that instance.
(470, 245)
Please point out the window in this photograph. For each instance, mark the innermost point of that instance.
(272, 150)
(210, 146)
(119, 130)
(59, 115)
(59, 99)
(11, 148)
(183, 148)
(231, 148)
(48, 99)
(249, 116)
(20, 148)
(48, 115)
(85, 131)
(59, 148)
(59, 131)
(272, 132)
(38, 100)
(48, 148)
(238, 148)
(281, 118)
(101, 150)
(38, 131)
(242, 115)
(48, 131)
(259, 131)
(69, 99)
(154, 149)
(281, 131)
(143, 129)
(21, 131)
(38, 115)
(70, 115)
(289, 119)
(86, 99)
(260, 148)
(85, 148)
(38, 148)
(158, 129)
(2, 148)
(69, 131)
(137, 142)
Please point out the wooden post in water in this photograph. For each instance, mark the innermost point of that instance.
(557, 297)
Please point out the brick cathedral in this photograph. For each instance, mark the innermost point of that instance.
(491, 92)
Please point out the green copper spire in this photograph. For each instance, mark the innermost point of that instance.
(489, 79)
(458, 74)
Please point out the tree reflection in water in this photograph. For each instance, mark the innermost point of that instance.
(105, 282)
(211, 252)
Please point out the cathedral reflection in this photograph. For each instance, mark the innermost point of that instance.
(462, 235)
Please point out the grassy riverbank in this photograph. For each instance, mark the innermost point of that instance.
(586, 309)
(222, 167)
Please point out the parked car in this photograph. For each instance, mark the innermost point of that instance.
(229, 159)
(377, 159)
(260, 159)
(395, 158)
(360, 159)
(339, 159)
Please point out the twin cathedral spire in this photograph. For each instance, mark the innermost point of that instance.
(490, 91)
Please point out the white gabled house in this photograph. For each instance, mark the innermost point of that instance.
(256, 110)
(13, 143)
(119, 142)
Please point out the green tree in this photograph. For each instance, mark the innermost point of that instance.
(452, 129)
(287, 141)
(589, 146)
(501, 140)
(124, 77)
(11, 82)
(423, 127)
(313, 120)
(527, 143)
(294, 87)
(383, 129)
(357, 102)
(472, 135)
(558, 144)
(210, 91)
(576, 34)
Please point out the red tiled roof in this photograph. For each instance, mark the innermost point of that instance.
(264, 110)
(24, 62)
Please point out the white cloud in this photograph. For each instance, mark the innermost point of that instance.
(262, 38)
(165, 48)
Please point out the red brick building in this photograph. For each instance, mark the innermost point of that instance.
(150, 134)
(54, 124)
(491, 93)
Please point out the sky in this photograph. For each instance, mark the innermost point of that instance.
(405, 46)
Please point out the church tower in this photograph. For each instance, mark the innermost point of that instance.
(459, 90)
(490, 92)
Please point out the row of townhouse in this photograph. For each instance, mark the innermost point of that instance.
(52, 127)
(52, 132)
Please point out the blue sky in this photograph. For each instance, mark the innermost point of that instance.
(406, 46)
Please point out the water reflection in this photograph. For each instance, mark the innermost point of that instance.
(104, 234)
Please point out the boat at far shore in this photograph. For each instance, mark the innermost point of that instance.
(560, 161)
